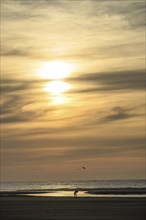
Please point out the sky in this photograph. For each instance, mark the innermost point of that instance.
(72, 89)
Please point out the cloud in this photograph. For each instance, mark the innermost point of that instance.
(22, 100)
(103, 116)
(116, 114)
(14, 97)
(114, 81)
(86, 31)
(15, 52)
(133, 11)
(12, 109)
(20, 108)
(110, 115)
(25, 101)
(65, 149)
(9, 85)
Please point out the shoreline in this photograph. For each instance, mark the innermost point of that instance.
(98, 193)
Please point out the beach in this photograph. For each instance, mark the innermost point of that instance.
(70, 208)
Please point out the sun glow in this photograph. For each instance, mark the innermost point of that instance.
(57, 90)
(55, 70)
(57, 87)
(59, 99)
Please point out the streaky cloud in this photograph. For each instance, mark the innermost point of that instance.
(111, 81)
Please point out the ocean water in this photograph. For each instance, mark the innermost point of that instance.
(71, 185)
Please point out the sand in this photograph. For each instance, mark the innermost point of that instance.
(67, 208)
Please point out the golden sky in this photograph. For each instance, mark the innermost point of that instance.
(73, 89)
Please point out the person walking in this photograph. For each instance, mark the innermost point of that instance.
(75, 193)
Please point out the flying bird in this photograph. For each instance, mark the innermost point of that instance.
(82, 168)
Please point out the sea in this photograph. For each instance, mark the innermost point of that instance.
(72, 185)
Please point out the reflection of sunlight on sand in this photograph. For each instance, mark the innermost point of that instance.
(65, 194)
(81, 194)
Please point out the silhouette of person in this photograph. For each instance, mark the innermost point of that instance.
(75, 193)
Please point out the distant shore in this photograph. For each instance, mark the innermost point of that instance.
(67, 208)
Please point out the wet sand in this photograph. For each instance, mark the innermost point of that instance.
(69, 208)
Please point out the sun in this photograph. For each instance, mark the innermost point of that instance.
(57, 87)
(55, 70)
(57, 90)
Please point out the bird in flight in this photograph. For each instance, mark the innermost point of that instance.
(82, 168)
